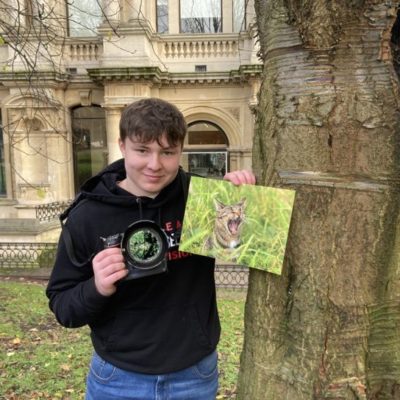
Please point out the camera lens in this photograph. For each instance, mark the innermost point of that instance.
(144, 245)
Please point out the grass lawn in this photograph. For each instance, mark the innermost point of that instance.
(41, 360)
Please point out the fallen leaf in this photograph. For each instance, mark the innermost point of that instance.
(65, 367)
(16, 341)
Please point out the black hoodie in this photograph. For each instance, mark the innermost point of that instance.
(157, 324)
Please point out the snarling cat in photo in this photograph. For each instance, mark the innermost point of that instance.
(228, 225)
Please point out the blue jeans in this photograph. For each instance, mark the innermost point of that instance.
(106, 382)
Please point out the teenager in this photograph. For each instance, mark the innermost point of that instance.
(154, 337)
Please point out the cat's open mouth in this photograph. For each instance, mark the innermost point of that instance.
(233, 225)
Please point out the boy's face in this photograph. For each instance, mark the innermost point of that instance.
(149, 166)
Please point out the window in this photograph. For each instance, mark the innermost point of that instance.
(206, 133)
(207, 163)
(206, 152)
(203, 16)
(200, 68)
(84, 16)
(2, 162)
(239, 15)
(162, 16)
(89, 142)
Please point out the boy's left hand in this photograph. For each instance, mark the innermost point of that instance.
(242, 177)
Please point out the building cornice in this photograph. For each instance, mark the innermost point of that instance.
(150, 75)
(154, 75)
(35, 79)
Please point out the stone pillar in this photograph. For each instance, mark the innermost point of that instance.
(173, 16)
(136, 9)
(112, 11)
(150, 12)
(234, 157)
(11, 15)
(113, 115)
(7, 133)
(255, 84)
(250, 14)
(227, 16)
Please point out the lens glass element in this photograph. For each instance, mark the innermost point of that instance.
(144, 245)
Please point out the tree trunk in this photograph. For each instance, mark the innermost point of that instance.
(328, 126)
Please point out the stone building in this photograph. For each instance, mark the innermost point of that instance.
(67, 69)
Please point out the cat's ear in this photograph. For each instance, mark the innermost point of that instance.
(242, 202)
(218, 205)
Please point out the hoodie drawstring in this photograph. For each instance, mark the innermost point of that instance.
(139, 202)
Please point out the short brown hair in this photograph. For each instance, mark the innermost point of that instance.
(149, 119)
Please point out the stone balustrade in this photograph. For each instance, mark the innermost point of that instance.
(83, 51)
(169, 48)
(186, 48)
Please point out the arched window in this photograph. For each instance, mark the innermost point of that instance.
(206, 150)
(89, 142)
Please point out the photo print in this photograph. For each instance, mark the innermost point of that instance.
(245, 225)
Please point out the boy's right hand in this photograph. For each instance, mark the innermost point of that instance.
(108, 267)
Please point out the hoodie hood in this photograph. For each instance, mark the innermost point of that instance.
(104, 187)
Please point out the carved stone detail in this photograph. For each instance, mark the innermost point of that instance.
(234, 111)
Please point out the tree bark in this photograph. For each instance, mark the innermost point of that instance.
(328, 126)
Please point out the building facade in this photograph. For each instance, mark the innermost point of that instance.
(67, 69)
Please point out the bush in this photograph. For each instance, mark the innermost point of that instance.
(46, 257)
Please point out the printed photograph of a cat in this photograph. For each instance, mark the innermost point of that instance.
(240, 225)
